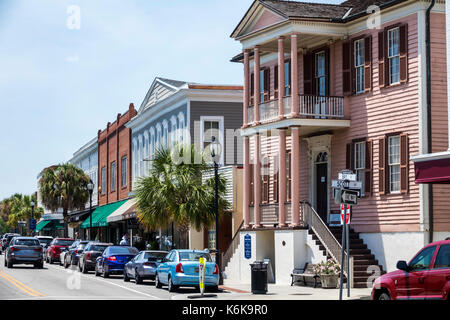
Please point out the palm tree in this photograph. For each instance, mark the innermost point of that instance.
(21, 209)
(64, 186)
(174, 191)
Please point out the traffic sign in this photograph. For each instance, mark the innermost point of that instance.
(33, 224)
(349, 196)
(346, 184)
(345, 211)
(201, 274)
(347, 175)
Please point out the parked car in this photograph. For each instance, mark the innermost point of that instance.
(65, 251)
(7, 238)
(73, 255)
(180, 269)
(88, 257)
(113, 260)
(45, 241)
(143, 266)
(54, 250)
(91, 252)
(24, 250)
(426, 276)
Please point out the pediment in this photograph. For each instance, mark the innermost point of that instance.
(159, 90)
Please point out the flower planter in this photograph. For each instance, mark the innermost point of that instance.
(329, 281)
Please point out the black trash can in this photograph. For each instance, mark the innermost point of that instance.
(259, 277)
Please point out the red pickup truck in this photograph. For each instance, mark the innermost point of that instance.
(426, 276)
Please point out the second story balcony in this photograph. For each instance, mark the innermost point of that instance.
(311, 109)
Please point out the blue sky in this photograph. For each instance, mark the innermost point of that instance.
(58, 86)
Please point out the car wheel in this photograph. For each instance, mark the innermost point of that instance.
(384, 296)
(137, 278)
(157, 283)
(96, 271)
(9, 264)
(84, 270)
(5, 261)
(125, 276)
(105, 274)
(66, 265)
(171, 286)
(214, 288)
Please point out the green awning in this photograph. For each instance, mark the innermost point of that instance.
(48, 225)
(42, 224)
(100, 214)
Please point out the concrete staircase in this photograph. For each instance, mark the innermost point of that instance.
(362, 256)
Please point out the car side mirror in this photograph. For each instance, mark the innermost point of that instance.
(402, 265)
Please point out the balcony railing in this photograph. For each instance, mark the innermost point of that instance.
(317, 107)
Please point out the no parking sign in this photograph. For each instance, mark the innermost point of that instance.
(345, 212)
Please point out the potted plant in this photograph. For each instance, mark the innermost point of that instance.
(328, 272)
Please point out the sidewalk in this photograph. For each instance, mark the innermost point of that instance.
(239, 291)
(287, 292)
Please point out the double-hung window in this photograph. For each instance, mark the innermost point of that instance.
(123, 171)
(394, 163)
(103, 180)
(287, 78)
(359, 65)
(212, 127)
(360, 163)
(394, 55)
(320, 73)
(113, 176)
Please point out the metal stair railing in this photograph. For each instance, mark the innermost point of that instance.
(326, 237)
(226, 256)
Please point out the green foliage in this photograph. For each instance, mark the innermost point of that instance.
(174, 191)
(64, 186)
(18, 208)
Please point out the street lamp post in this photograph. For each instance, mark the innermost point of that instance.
(32, 204)
(215, 149)
(90, 187)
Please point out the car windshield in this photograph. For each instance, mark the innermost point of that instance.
(98, 248)
(194, 256)
(63, 242)
(26, 242)
(46, 241)
(123, 250)
(82, 246)
(153, 256)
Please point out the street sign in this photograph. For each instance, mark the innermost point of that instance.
(346, 184)
(347, 176)
(349, 196)
(247, 246)
(33, 224)
(201, 274)
(345, 214)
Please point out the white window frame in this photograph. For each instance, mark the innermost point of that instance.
(140, 156)
(359, 67)
(135, 162)
(165, 134)
(360, 163)
(113, 176)
(158, 135)
(152, 144)
(394, 56)
(146, 153)
(123, 171)
(181, 128)
(394, 164)
(219, 119)
(173, 131)
(103, 178)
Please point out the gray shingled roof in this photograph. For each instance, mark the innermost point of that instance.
(296, 9)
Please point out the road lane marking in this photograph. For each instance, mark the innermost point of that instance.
(106, 281)
(21, 285)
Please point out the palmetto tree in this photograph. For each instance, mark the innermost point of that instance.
(175, 192)
(21, 209)
(64, 186)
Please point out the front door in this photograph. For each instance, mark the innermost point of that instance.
(321, 190)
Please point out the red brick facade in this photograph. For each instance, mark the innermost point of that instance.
(114, 143)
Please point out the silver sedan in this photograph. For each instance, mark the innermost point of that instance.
(143, 266)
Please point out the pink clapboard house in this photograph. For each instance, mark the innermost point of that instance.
(334, 87)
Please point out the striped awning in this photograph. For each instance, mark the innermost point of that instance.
(118, 215)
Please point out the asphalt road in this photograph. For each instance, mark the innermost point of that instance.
(55, 282)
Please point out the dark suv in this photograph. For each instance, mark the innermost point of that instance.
(87, 259)
(426, 276)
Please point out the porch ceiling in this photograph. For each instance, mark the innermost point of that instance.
(306, 126)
